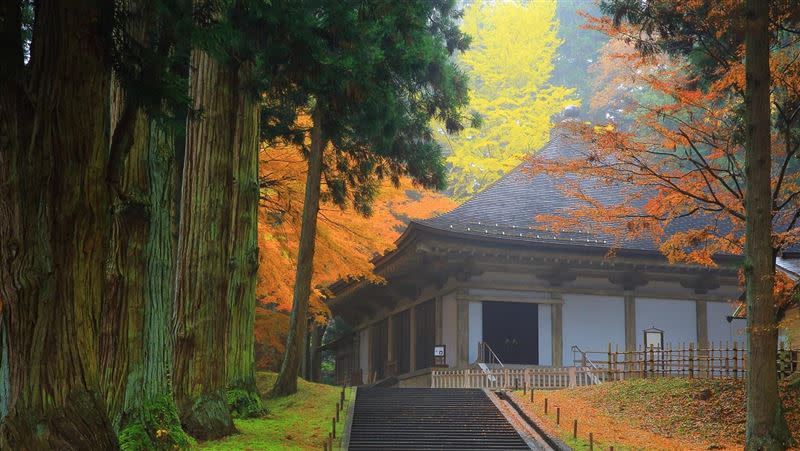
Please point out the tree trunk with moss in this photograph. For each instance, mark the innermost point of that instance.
(136, 343)
(286, 383)
(137, 336)
(243, 397)
(54, 224)
(766, 425)
(202, 267)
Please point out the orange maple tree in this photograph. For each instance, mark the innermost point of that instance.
(346, 240)
(675, 151)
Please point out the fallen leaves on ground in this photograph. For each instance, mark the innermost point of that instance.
(663, 413)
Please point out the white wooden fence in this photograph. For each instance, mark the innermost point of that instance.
(511, 378)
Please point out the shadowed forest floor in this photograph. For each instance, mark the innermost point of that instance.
(297, 422)
(656, 414)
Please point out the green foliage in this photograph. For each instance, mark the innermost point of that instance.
(155, 427)
(244, 403)
(510, 63)
(328, 369)
(378, 72)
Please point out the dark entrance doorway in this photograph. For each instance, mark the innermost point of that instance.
(512, 331)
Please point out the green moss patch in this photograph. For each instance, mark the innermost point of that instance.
(155, 427)
(244, 403)
(297, 422)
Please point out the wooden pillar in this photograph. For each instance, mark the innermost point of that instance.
(462, 333)
(701, 316)
(316, 356)
(412, 340)
(390, 325)
(355, 365)
(370, 364)
(439, 339)
(630, 321)
(304, 353)
(557, 330)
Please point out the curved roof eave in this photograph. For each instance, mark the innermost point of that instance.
(416, 228)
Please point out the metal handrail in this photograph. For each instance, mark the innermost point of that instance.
(586, 360)
(483, 347)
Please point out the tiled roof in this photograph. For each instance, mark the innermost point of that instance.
(507, 209)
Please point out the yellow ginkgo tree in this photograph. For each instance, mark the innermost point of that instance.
(509, 64)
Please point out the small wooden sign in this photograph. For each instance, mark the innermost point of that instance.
(440, 355)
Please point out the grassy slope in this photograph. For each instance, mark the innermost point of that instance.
(298, 422)
(666, 413)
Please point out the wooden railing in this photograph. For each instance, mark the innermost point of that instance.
(514, 378)
(712, 361)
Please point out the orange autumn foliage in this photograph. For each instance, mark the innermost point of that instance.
(271, 329)
(346, 241)
(675, 150)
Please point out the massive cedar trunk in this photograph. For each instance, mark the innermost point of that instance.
(766, 426)
(286, 383)
(54, 226)
(136, 340)
(202, 267)
(137, 317)
(243, 396)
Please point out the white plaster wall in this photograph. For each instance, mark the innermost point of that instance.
(545, 335)
(676, 317)
(591, 322)
(450, 327)
(719, 329)
(363, 352)
(475, 328)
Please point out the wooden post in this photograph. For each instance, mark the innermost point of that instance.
(608, 377)
(558, 415)
(691, 360)
(735, 360)
(644, 361)
(575, 428)
(333, 426)
(545, 406)
(591, 441)
(727, 359)
(528, 379)
(337, 412)
(531, 395)
(652, 360)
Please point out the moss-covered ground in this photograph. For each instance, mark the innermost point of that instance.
(656, 414)
(297, 422)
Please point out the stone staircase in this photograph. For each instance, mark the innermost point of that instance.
(429, 419)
